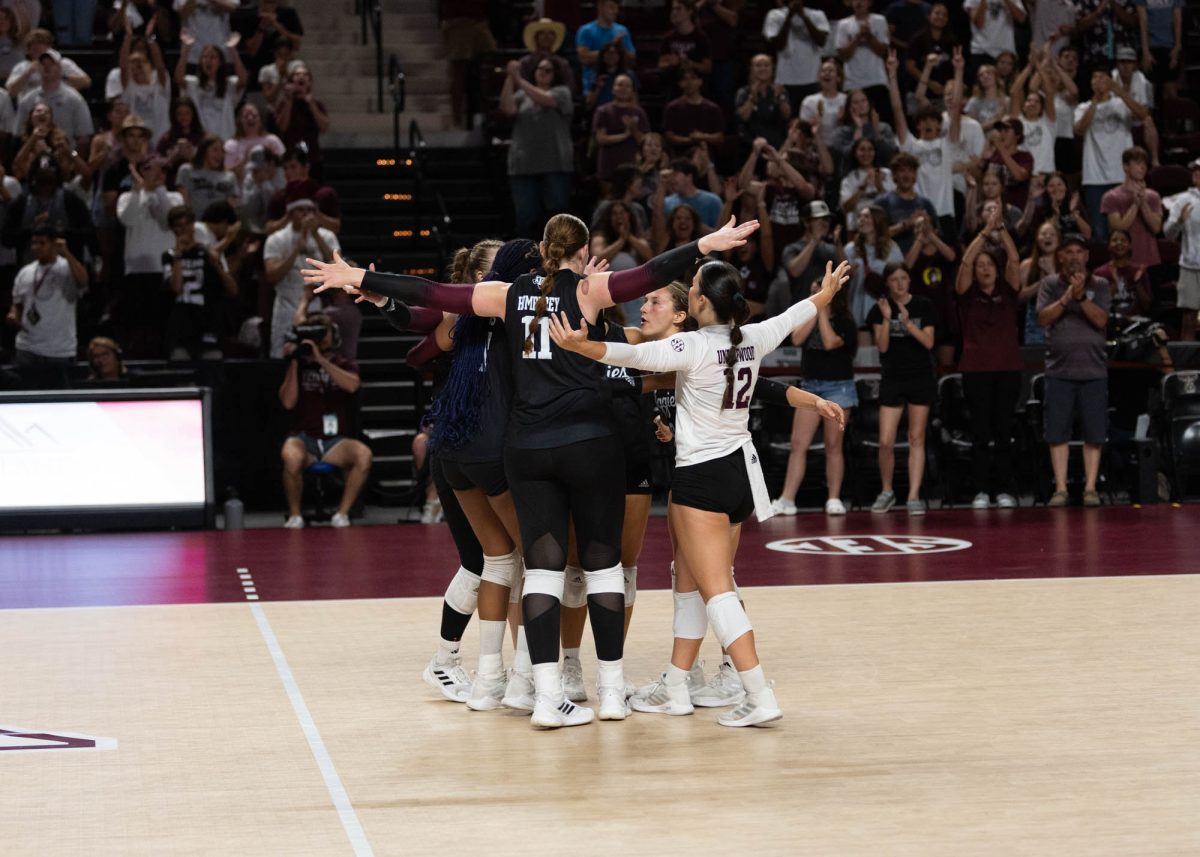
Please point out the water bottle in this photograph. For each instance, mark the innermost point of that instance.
(235, 512)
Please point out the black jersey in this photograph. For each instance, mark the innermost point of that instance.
(487, 444)
(559, 397)
(633, 411)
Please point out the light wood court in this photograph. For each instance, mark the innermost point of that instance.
(1038, 717)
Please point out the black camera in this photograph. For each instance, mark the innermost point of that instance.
(301, 332)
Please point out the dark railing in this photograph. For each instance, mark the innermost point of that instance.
(371, 15)
(416, 160)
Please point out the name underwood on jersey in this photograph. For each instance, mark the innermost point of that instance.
(744, 352)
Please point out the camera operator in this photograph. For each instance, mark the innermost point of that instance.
(318, 390)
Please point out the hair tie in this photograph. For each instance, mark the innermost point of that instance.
(739, 298)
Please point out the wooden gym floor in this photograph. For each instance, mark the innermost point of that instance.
(1033, 691)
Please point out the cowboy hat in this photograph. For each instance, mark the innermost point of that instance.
(535, 27)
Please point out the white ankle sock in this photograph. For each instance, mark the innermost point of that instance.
(610, 674)
(753, 680)
(571, 653)
(675, 676)
(447, 649)
(547, 679)
(521, 662)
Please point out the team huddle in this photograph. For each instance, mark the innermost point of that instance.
(541, 438)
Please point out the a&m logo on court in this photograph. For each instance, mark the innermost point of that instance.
(869, 545)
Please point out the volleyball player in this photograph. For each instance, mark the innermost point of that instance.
(562, 458)
(718, 480)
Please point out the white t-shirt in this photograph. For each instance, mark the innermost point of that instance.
(1189, 256)
(969, 148)
(147, 237)
(216, 114)
(1140, 88)
(48, 295)
(996, 35)
(70, 68)
(1105, 140)
(289, 291)
(208, 23)
(864, 68)
(1064, 117)
(829, 118)
(1039, 142)
(934, 177)
(70, 111)
(851, 182)
(800, 60)
(152, 102)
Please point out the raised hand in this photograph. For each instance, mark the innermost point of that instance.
(338, 274)
(835, 278)
(594, 266)
(957, 60)
(371, 297)
(728, 236)
(893, 63)
(885, 309)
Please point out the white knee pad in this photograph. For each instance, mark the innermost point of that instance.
(463, 592)
(728, 619)
(691, 619)
(575, 593)
(605, 581)
(502, 570)
(540, 581)
(630, 574)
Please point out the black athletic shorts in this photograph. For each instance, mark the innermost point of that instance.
(637, 460)
(720, 485)
(487, 476)
(895, 392)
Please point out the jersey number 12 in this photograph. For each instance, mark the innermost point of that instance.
(745, 378)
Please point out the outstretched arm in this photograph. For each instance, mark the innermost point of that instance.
(664, 355)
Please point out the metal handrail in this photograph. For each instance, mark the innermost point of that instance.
(416, 145)
(399, 90)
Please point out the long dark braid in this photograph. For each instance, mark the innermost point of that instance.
(721, 283)
(565, 234)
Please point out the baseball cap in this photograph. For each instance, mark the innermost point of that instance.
(1126, 53)
(1073, 238)
(817, 209)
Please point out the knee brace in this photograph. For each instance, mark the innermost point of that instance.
(503, 570)
(630, 574)
(463, 592)
(540, 581)
(728, 618)
(691, 620)
(605, 581)
(575, 593)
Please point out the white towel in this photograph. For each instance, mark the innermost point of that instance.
(758, 485)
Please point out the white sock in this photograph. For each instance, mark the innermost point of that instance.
(447, 649)
(491, 642)
(611, 674)
(674, 676)
(521, 662)
(547, 679)
(753, 680)
(571, 653)
(726, 660)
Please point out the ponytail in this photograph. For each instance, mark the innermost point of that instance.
(469, 261)
(564, 236)
(551, 263)
(741, 310)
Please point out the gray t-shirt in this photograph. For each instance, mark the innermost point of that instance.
(541, 140)
(1074, 346)
(783, 294)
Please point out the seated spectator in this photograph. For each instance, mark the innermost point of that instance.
(612, 64)
(47, 204)
(215, 88)
(205, 180)
(178, 145)
(786, 194)
(106, 363)
(993, 28)
(1073, 307)
(71, 112)
(1136, 209)
(296, 169)
(861, 185)
(248, 133)
(199, 286)
(10, 42)
(302, 117)
(1041, 262)
(318, 389)
(691, 118)
(594, 35)
(207, 21)
(284, 256)
(1003, 155)
(860, 120)
(904, 203)
(45, 296)
(804, 261)
(145, 87)
(862, 41)
(1104, 123)
(1184, 226)
(26, 76)
(797, 34)
(762, 106)
(685, 44)
(869, 251)
(683, 189)
(826, 105)
(903, 326)
(263, 180)
(618, 127)
(541, 159)
(543, 37)
(1128, 282)
(270, 25)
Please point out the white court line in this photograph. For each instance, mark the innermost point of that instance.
(333, 783)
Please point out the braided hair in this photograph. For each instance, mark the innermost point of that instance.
(565, 235)
(721, 283)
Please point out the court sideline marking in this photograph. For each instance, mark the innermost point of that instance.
(333, 783)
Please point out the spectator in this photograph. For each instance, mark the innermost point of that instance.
(988, 190)
(825, 107)
(968, 154)
(650, 162)
(1141, 90)
(141, 17)
(213, 88)
(861, 185)
(263, 180)
(178, 145)
(248, 133)
(860, 120)
(40, 137)
(10, 41)
(106, 363)
(1073, 307)
(904, 203)
(318, 389)
(939, 40)
(543, 37)
(1128, 282)
(1184, 225)
(1104, 124)
(786, 191)
(284, 257)
(70, 110)
(143, 211)
(133, 144)
(804, 261)
(1051, 21)
(272, 75)
(683, 189)
(993, 27)
(45, 296)
(207, 21)
(146, 88)
(26, 76)
(270, 26)
(862, 45)
(617, 239)
(1004, 156)
(1066, 96)
(302, 117)
(594, 35)
(205, 180)
(902, 326)
(329, 208)
(869, 251)
(719, 20)
(691, 118)
(1042, 262)
(684, 45)
(988, 101)
(681, 227)
(75, 22)
(618, 127)
(906, 20)
(10, 192)
(755, 260)
(932, 267)
(1136, 209)
(1059, 204)
(199, 286)
(541, 159)
(1036, 112)
(47, 204)
(797, 35)
(1103, 26)
(829, 341)
(612, 64)
(1160, 31)
(762, 106)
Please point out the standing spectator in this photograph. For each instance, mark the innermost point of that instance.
(1128, 282)
(904, 203)
(75, 22)
(1005, 157)
(993, 27)
(329, 208)
(869, 251)
(26, 75)
(198, 285)
(1061, 205)
(684, 192)
(205, 180)
(786, 191)
(938, 40)
(719, 21)
(215, 88)
(284, 256)
(302, 118)
(263, 180)
(826, 105)
(797, 35)
(684, 44)
(1160, 31)
(861, 41)
(45, 296)
(1104, 26)
(932, 265)
(861, 120)
(248, 133)
(903, 325)
(541, 159)
(178, 145)
(1104, 124)
(468, 37)
(618, 127)
(10, 42)
(543, 37)
(269, 26)
(681, 227)
(691, 118)
(1142, 91)
(988, 101)
(47, 204)
(1041, 263)
(861, 185)
(804, 261)
(762, 106)
(1184, 225)
(143, 212)
(981, 194)
(71, 112)
(207, 21)
(1073, 307)
(1036, 112)
(906, 20)
(988, 287)
(594, 35)
(40, 137)
(968, 154)
(1136, 209)
(1066, 96)
(272, 75)
(612, 64)
(146, 88)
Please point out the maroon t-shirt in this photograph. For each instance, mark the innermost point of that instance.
(989, 330)
(611, 119)
(682, 118)
(1015, 193)
(319, 396)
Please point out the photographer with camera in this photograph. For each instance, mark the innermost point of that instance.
(284, 256)
(318, 390)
